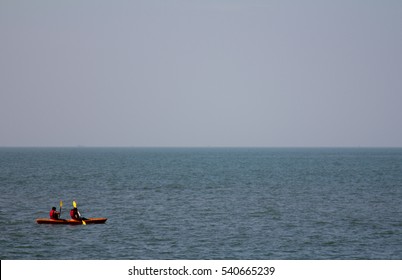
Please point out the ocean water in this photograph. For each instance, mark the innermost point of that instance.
(205, 203)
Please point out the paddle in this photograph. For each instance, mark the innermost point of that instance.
(61, 205)
(79, 214)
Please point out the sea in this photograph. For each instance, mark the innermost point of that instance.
(203, 203)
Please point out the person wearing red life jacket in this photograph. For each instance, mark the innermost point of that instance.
(54, 214)
(74, 214)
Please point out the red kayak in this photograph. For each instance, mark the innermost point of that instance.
(71, 221)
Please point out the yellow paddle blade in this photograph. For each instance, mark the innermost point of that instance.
(61, 203)
(74, 204)
(84, 223)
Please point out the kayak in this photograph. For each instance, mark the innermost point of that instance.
(71, 221)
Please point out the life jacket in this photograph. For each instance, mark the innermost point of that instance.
(53, 214)
(74, 214)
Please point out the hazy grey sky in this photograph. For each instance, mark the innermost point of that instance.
(200, 73)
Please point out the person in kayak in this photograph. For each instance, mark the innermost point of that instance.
(76, 215)
(54, 214)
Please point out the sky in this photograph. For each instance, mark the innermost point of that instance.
(201, 73)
